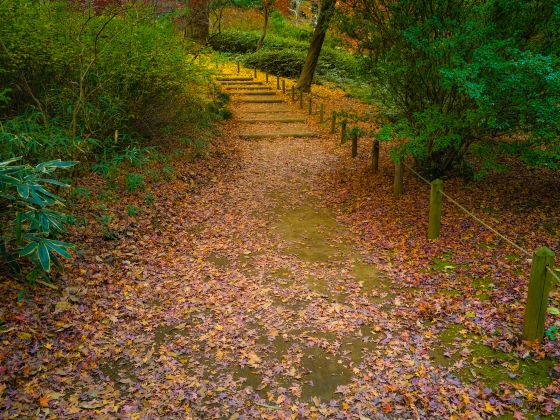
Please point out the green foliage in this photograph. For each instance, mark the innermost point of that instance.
(95, 87)
(238, 42)
(285, 49)
(455, 73)
(30, 218)
(71, 80)
(134, 182)
(133, 211)
(288, 61)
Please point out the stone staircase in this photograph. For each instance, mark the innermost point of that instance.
(261, 110)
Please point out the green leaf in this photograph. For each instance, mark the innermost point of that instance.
(553, 311)
(60, 249)
(44, 256)
(30, 248)
(23, 190)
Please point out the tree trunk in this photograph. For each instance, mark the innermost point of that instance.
(199, 20)
(266, 6)
(325, 13)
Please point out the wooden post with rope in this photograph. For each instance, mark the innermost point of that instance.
(354, 143)
(436, 201)
(283, 86)
(537, 297)
(333, 122)
(255, 73)
(238, 68)
(398, 181)
(375, 156)
(301, 99)
(277, 82)
(266, 77)
(343, 125)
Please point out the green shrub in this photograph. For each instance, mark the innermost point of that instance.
(73, 80)
(286, 63)
(454, 74)
(333, 66)
(30, 216)
(235, 41)
(134, 182)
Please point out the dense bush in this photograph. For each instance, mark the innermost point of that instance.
(79, 85)
(283, 62)
(457, 73)
(332, 66)
(239, 42)
(74, 77)
(285, 56)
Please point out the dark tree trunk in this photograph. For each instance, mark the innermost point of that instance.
(199, 20)
(266, 6)
(325, 13)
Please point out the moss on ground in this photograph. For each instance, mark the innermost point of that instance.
(490, 366)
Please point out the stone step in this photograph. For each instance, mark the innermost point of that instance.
(234, 79)
(240, 83)
(265, 93)
(272, 120)
(250, 135)
(275, 100)
(267, 111)
(248, 88)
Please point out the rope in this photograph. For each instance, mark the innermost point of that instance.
(555, 276)
(482, 222)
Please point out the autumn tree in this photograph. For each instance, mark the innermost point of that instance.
(326, 11)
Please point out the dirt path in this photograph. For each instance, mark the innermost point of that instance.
(252, 299)
(268, 308)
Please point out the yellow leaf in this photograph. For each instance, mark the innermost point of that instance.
(254, 360)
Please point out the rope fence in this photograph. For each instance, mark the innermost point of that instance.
(542, 276)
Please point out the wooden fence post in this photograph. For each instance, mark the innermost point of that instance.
(537, 297)
(310, 104)
(375, 156)
(238, 68)
(277, 82)
(436, 201)
(255, 74)
(301, 99)
(293, 92)
(333, 122)
(322, 113)
(398, 181)
(354, 143)
(283, 86)
(343, 125)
